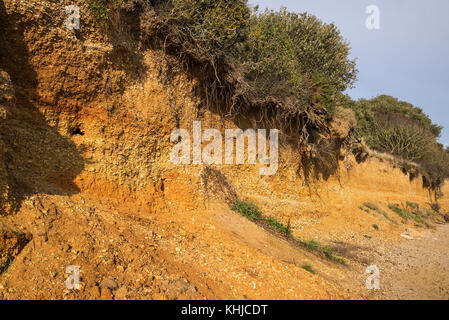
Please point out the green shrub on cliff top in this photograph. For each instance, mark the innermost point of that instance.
(296, 61)
(203, 30)
(403, 130)
(287, 68)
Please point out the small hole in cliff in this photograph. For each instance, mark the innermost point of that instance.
(76, 131)
(162, 185)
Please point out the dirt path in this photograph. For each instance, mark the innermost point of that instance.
(417, 268)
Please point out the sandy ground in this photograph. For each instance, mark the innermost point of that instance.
(208, 254)
(416, 268)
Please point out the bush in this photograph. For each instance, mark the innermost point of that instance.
(405, 214)
(406, 141)
(250, 210)
(309, 268)
(247, 209)
(205, 30)
(277, 225)
(435, 167)
(403, 130)
(296, 63)
(313, 245)
(375, 208)
(412, 205)
(396, 127)
(388, 106)
(253, 213)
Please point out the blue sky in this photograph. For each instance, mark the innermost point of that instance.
(408, 57)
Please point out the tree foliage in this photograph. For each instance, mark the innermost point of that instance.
(295, 60)
(203, 29)
(402, 129)
(393, 107)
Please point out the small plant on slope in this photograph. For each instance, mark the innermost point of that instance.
(309, 268)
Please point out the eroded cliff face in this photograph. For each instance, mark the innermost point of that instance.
(7, 94)
(85, 124)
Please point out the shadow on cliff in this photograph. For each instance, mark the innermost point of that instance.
(38, 158)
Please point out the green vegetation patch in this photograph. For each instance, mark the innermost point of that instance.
(247, 209)
(403, 130)
(315, 246)
(309, 268)
(251, 211)
(277, 225)
(367, 206)
(101, 9)
(405, 214)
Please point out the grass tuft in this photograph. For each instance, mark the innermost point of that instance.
(405, 214)
(277, 225)
(371, 206)
(374, 207)
(315, 246)
(101, 9)
(412, 205)
(247, 209)
(309, 268)
(250, 210)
